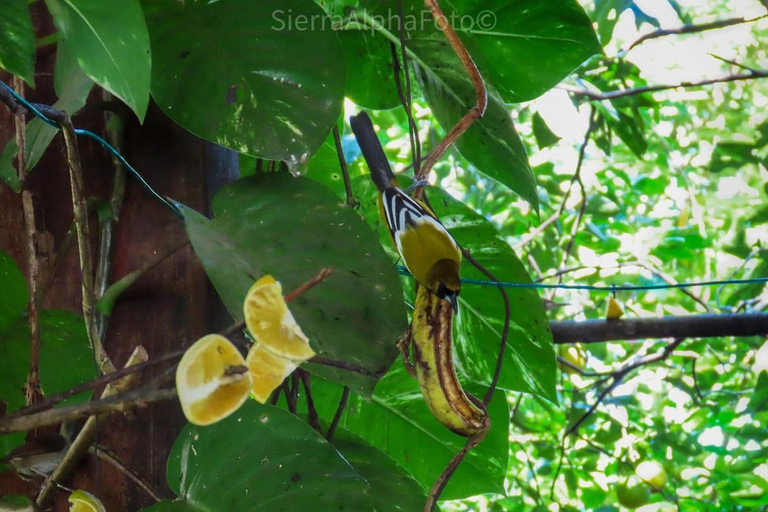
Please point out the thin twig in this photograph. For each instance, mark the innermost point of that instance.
(481, 95)
(83, 241)
(339, 412)
(103, 453)
(312, 417)
(32, 388)
(85, 437)
(319, 278)
(583, 202)
(623, 93)
(114, 124)
(445, 476)
(692, 29)
(292, 392)
(619, 375)
(504, 332)
(343, 165)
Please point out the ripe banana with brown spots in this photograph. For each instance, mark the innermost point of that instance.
(433, 363)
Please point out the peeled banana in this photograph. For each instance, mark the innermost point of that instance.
(432, 360)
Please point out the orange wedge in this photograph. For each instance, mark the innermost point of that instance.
(81, 501)
(267, 370)
(271, 323)
(211, 380)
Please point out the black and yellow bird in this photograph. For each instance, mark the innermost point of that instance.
(429, 252)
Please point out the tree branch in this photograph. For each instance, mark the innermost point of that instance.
(692, 326)
(619, 375)
(612, 95)
(692, 29)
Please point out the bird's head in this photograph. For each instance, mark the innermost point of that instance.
(445, 283)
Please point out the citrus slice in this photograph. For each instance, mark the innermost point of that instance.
(81, 501)
(271, 323)
(267, 370)
(211, 380)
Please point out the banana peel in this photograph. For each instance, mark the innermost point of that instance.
(431, 363)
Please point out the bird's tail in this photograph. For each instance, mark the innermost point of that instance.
(381, 172)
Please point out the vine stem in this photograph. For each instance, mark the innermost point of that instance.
(32, 388)
(481, 94)
(83, 236)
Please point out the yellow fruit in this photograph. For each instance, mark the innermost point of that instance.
(652, 473)
(576, 355)
(211, 380)
(614, 310)
(271, 323)
(81, 501)
(267, 371)
(433, 362)
(632, 492)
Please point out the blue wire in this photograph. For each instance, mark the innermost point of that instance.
(609, 288)
(87, 133)
(401, 270)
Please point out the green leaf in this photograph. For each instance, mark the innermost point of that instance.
(397, 421)
(17, 40)
(62, 338)
(73, 88)
(291, 228)
(529, 363)
(391, 487)
(370, 81)
(255, 79)
(261, 458)
(111, 44)
(759, 396)
(731, 155)
(544, 136)
(491, 144)
(631, 130)
(527, 46)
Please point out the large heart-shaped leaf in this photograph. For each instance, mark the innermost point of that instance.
(291, 228)
(111, 44)
(370, 81)
(491, 144)
(390, 486)
(261, 458)
(248, 75)
(17, 40)
(72, 88)
(529, 363)
(528, 46)
(397, 421)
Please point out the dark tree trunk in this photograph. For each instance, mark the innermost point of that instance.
(170, 305)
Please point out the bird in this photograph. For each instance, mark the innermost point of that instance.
(429, 252)
(38, 456)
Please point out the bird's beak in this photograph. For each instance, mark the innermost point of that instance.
(454, 300)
